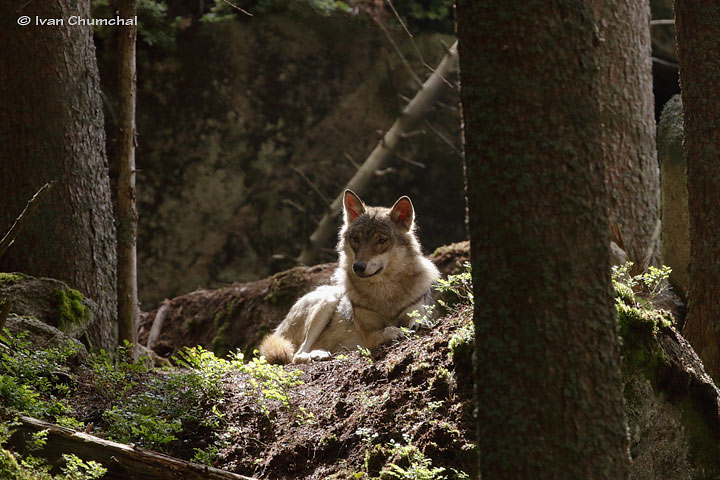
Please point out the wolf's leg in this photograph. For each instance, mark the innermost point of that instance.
(318, 318)
(387, 334)
(314, 355)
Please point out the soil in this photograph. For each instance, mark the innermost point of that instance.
(362, 407)
(411, 391)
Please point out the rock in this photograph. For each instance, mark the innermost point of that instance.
(50, 301)
(42, 335)
(673, 410)
(675, 237)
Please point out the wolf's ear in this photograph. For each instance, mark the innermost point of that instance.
(353, 206)
(402, 213)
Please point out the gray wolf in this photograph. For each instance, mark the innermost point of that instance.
(381, 277)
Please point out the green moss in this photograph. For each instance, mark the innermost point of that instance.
(702, 441)
(12, 278)
(462, 344)
(220, 343)
(70, 308)
(639, 327)
(285, 285)
(375, 458)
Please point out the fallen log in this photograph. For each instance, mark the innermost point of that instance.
(123, 462)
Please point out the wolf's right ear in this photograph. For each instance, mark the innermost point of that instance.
(353, 206)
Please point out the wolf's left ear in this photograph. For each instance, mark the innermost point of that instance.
(402, 213)
(353, 206)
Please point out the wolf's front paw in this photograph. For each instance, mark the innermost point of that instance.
(315, 355)
(390, 334)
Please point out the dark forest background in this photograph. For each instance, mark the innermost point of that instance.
(249, 126)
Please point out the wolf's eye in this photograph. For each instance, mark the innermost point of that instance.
(381, 241)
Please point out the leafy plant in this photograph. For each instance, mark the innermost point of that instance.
(407, 462)
(272, 382)
(457, 289)
(638, 319)
(35, 381)
(168, 402)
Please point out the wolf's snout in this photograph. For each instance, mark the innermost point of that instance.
(359, 267)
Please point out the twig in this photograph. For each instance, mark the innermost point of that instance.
(295, 205)
(442, 137)
(312, 185)
(352, 160)
(412, 73)
(31, 206)
(412, 40)
(452, 108)
(410, 160)
(664, 21)
(238, 8)
(414, 133)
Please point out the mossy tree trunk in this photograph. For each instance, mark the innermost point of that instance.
(550, 400)
(51, 129)
(626, 98)
(697, 25)
(124, 159)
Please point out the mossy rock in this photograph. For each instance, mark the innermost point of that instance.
(48, 300)
(42, 336)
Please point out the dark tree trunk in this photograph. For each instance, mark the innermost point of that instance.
(125, 160)
(550, 401)
(51, 129)
(697, 26)
(627, 102)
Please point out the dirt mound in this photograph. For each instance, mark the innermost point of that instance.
(408, 404)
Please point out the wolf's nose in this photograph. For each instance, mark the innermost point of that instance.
(359, 267)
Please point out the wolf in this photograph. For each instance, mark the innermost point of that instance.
(381, 277)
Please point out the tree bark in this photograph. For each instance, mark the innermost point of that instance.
(51, 129)
(626, 98)
(549, 388)
(124, 154)
(698, 39)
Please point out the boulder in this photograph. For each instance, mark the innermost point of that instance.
(675, 237)
(49, 301)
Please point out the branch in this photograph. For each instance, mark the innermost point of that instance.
(31, 206)
(122, 461)
(414, 113)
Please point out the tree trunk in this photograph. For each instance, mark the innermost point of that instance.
(698, 38)
(51, 129)
(626, 98)
(125, 160)
(549, 387)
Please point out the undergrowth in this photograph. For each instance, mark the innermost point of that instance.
(28, 467)
(638, 319)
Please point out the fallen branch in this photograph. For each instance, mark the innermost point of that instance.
(31, 206)
(433, 88)
(122, 461)
(158, 324)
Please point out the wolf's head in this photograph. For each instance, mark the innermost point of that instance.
(375, 240)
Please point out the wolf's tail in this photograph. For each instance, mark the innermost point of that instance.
(277, 349)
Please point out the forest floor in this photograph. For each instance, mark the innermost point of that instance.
(403, 410)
